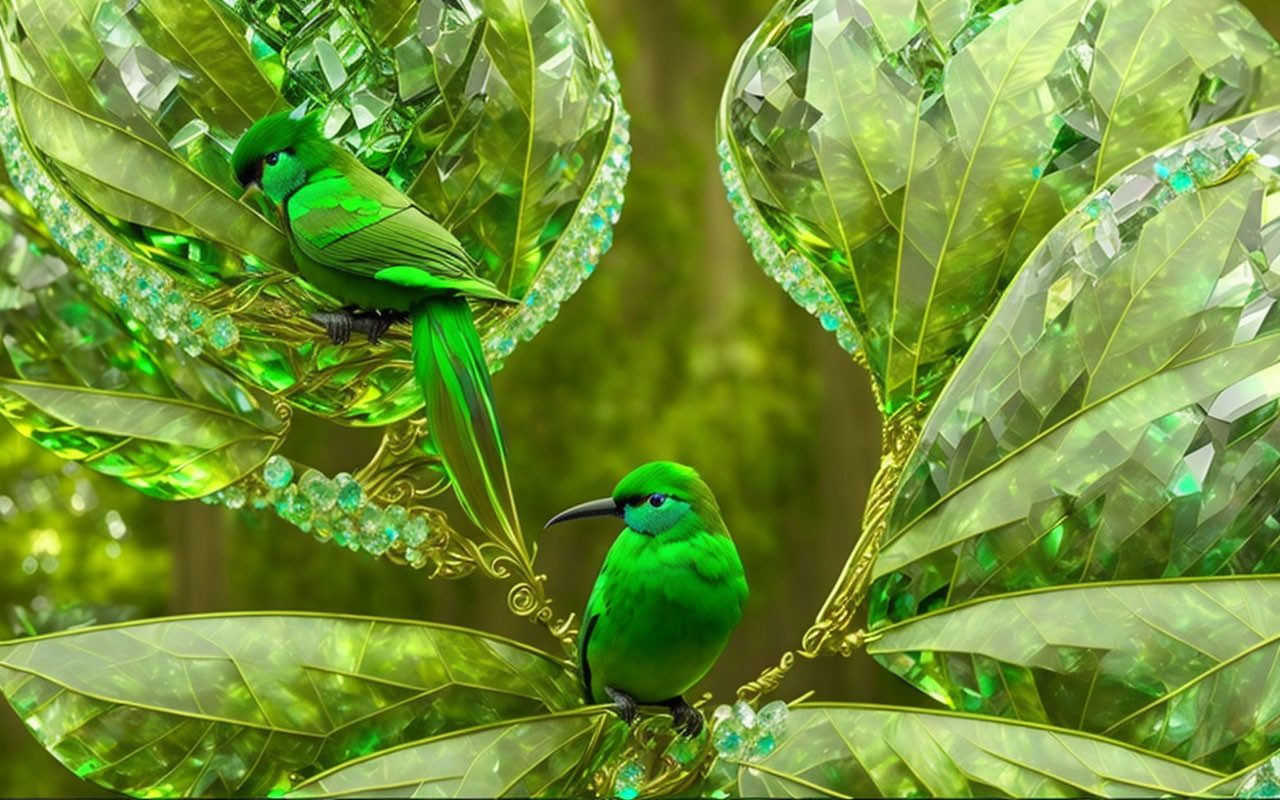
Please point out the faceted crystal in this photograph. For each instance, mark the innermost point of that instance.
(1263, 782)
(1117, 421)
(322, 492)
(416, 531)
(350, 495)
(174, 86)
(912, 154)
(627, 783)
(277, 472)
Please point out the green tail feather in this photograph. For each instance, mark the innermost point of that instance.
(450, 367)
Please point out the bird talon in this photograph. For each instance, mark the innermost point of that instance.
(337, 324)
(623, 703)
(686, 719)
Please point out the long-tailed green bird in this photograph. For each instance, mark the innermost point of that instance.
(358, 238)
(669, 594)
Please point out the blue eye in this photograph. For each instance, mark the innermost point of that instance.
(656, 500)
(273, 158)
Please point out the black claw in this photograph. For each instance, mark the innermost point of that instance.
(341, 323)
(335, 323)
(623, 703)
(687, 719)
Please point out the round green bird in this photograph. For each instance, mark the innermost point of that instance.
(669, 593)
(359, 239)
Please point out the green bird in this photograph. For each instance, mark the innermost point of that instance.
(359, 239)
(669, 594)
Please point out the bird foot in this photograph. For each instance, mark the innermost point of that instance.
(373, 324)
(687, 719)
(623, 703)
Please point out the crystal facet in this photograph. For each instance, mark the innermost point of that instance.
(908, 156)
(277, 472)
(391, 85)
(1116, 421)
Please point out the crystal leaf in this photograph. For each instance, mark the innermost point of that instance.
(1117, 418)
(1176, 667)
(78, 382)
(162, 447)
(877, 751)
(251, 704)
(502, 119)
(905, 166)
(540, 757)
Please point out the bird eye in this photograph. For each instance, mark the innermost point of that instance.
(273, 159)
(656, 500)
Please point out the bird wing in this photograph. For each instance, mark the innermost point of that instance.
(584, 666)
(350, 219)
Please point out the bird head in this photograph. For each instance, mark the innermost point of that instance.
(657, 499)
(279, 152)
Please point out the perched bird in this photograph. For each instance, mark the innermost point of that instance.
(669, 594)
(358, 238)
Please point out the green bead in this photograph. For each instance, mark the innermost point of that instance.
(277, 472)
(233, 497)
(298, 509)
(223, 333)
(394, 521)
(627, 783)
(350, 494)
(322, 492)
(283, 498)
(416, 531)
(773, 717)
(344, 530)
(684, 749)
(373, 531)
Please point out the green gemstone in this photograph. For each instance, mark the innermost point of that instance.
(223, 333)
(394, 521)
(416, 531)
(350, 495)
(322, 492)
(344, 530)
(233, 497)
(277, 472)
(773, 717)
(627, 783)
(373, 530)
(282, 499)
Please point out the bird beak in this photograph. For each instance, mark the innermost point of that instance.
(605, 507)
(250, 191)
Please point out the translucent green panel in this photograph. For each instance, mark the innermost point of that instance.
(1178, 667)
(165, 448)
(501, 118)
(1117, 418)
(546, 757)
(251, 704)
(79, 382)
(903, 159)
(878, 751)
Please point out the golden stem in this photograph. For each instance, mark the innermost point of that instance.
(833, 631)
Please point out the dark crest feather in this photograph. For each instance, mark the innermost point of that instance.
(275, 133)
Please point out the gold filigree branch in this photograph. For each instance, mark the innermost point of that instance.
(833, 631)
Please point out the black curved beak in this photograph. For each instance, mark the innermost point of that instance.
(604, 507)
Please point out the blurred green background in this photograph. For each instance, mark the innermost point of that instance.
(679, 347)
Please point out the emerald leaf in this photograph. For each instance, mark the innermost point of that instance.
(252, 704)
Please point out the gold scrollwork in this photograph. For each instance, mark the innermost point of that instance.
(833, 630)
